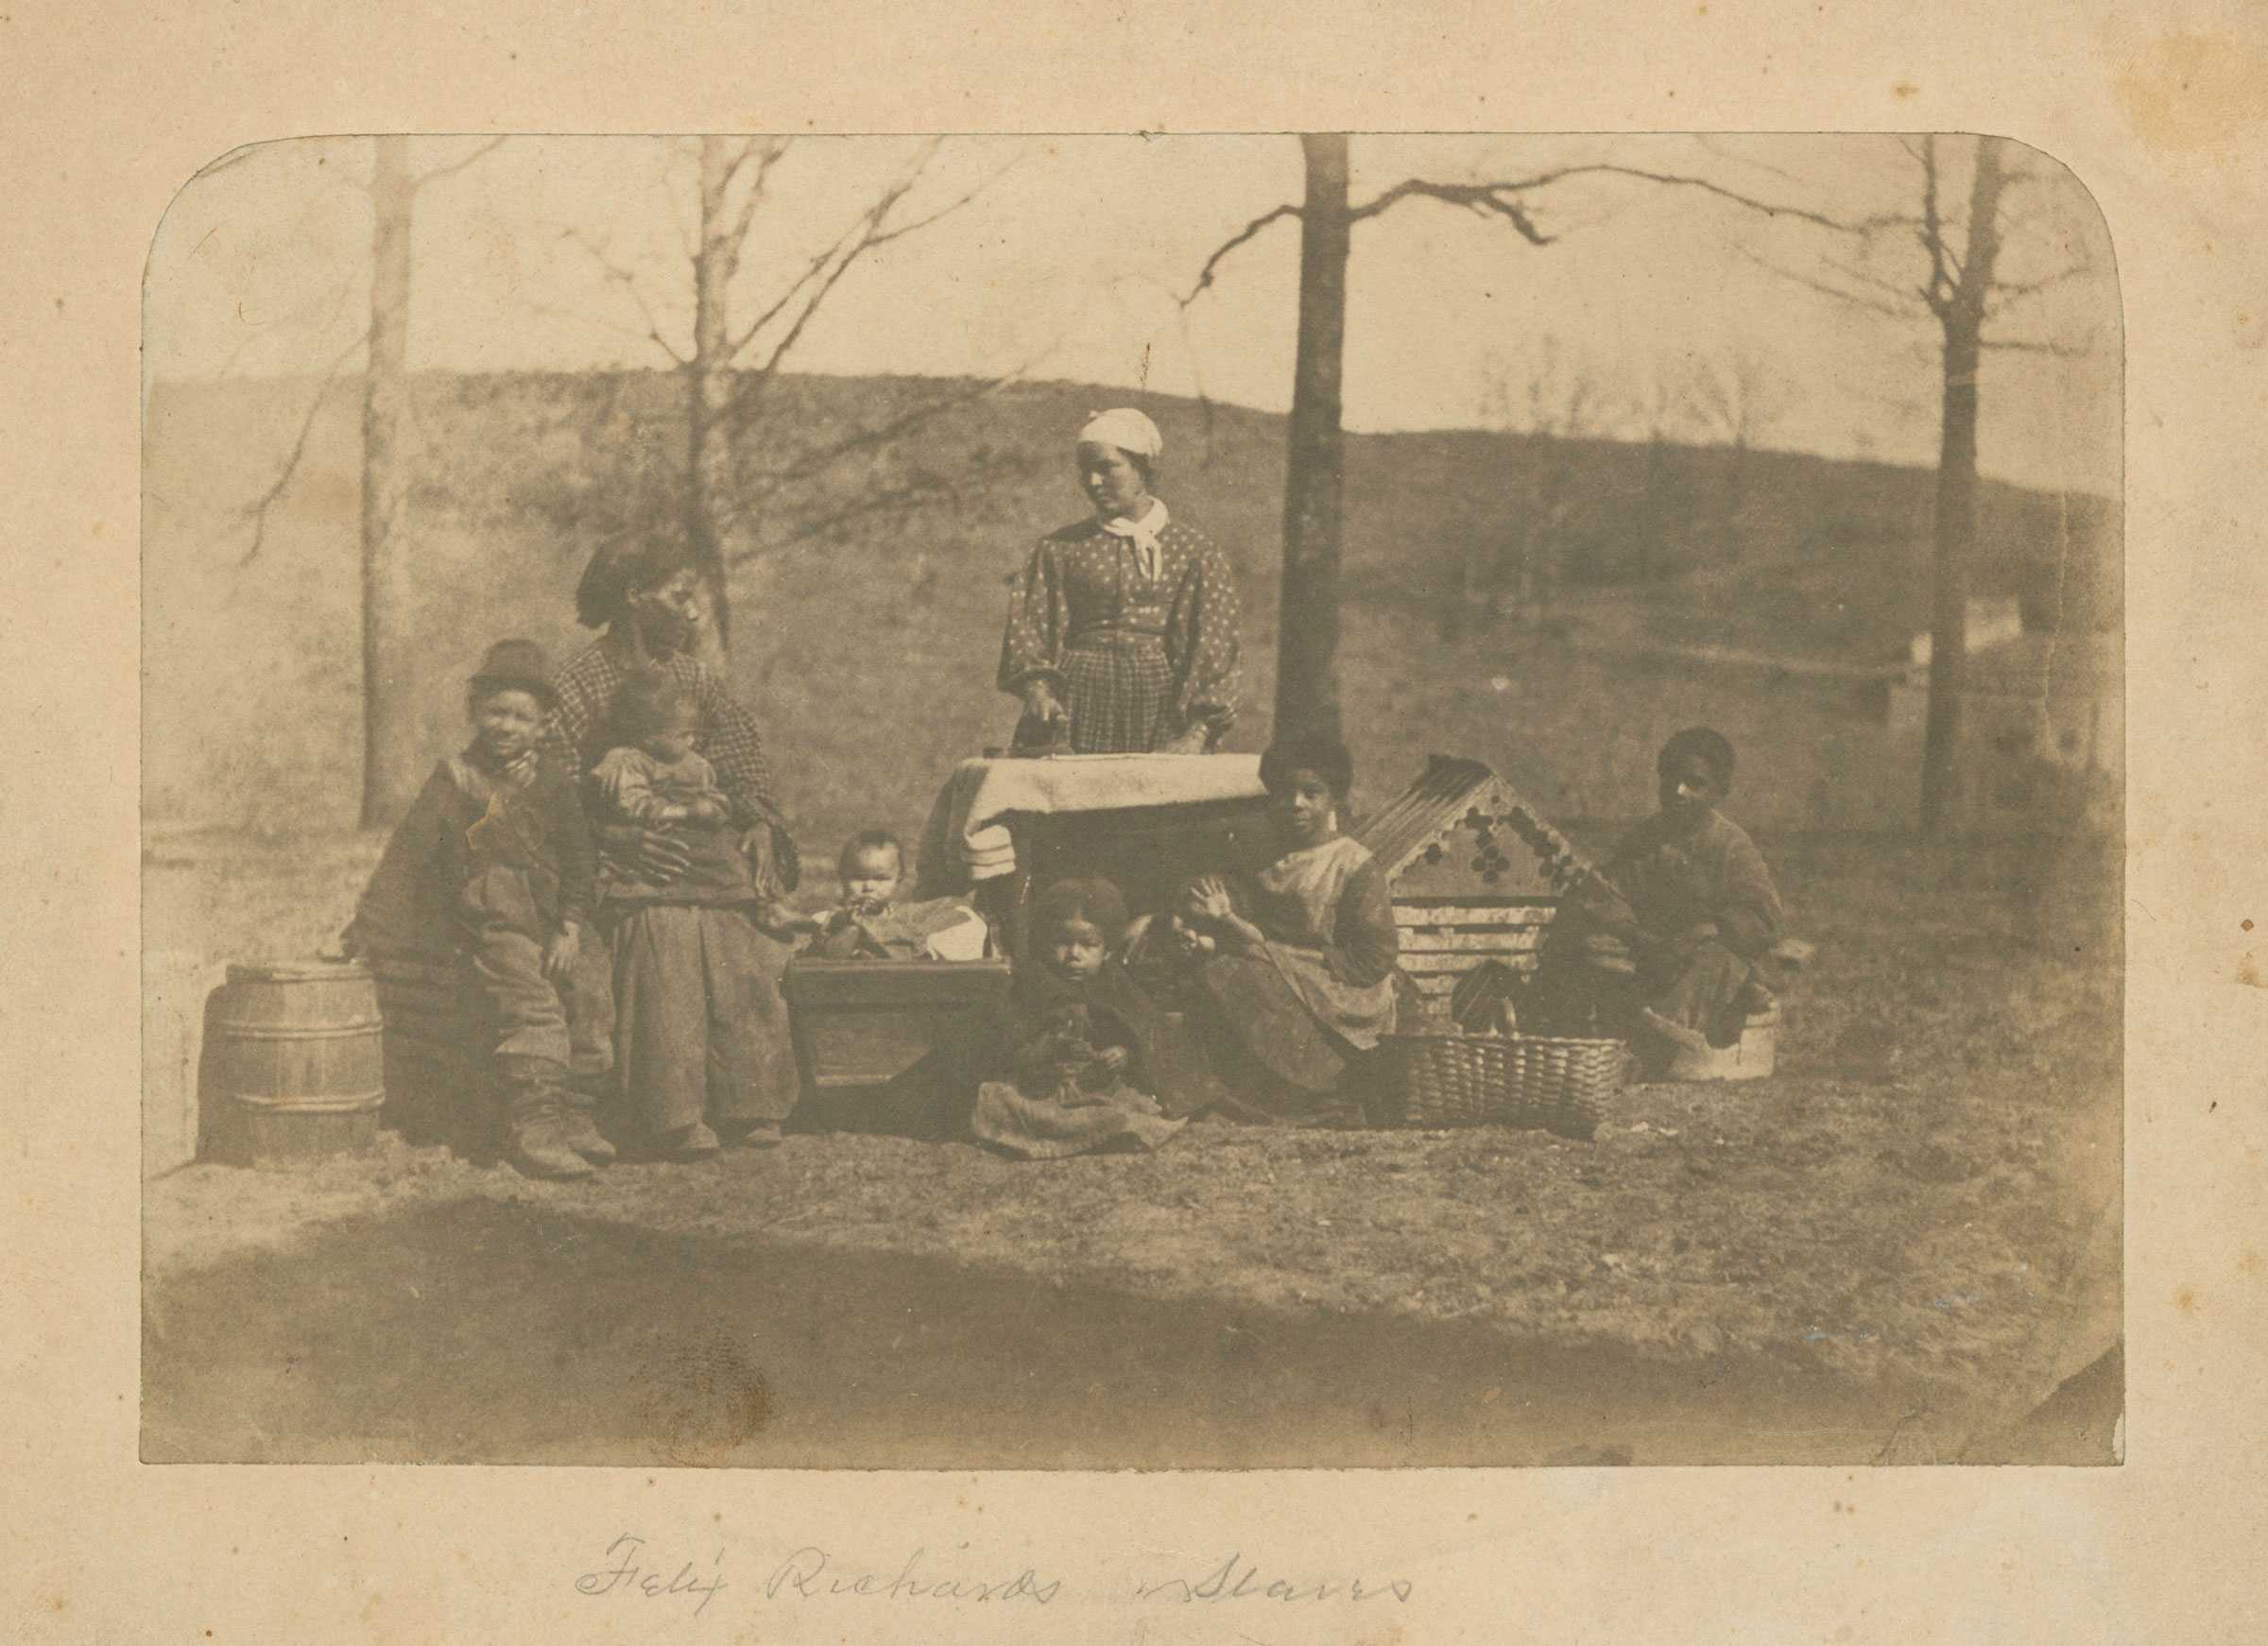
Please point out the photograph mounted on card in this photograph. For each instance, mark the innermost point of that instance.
(993, 802)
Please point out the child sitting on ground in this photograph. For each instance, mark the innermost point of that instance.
(494, 858)
(1675, 938)
(653, 778)
(870, 924)
(1076, 1048)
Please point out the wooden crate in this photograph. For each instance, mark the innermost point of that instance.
(890, 1044)
(1442, 938)
(1476, 874)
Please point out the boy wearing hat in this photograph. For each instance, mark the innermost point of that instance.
(1683, 920)
(495, 853)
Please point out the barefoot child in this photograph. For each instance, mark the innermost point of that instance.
(495, 853)
(1683, 919)
(1075, 1056)
(871, 924)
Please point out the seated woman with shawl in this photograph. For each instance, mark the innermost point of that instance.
(1300, 979)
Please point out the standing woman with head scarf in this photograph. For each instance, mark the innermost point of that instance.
(1123, 630)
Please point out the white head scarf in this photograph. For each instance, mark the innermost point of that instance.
(1126, 429)
(1130, 431)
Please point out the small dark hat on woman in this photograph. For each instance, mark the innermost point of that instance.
(516, 665)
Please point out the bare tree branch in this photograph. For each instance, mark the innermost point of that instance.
(766, 156)
(1502, 197)
(1486, 199)
(1826, 289)
(1212, 264)
(1711, 144)
(883, 433)
(873, 229)
(486, 149)
(2037, 346)
(2009, 291)
(628, 282)
(893, 500)
(257, 511)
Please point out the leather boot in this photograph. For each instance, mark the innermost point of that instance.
(537, 1140)
(579, 1126)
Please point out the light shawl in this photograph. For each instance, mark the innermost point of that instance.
(1295, 904)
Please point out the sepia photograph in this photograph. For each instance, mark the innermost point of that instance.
(1133, 802)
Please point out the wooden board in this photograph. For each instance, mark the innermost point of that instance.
(1511, 912)
(1504, 940)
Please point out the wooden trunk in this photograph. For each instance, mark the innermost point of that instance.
(891, 1045)
(296, 1060)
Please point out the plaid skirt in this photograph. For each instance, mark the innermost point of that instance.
(1120, 690)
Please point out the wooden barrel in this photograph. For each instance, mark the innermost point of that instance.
(297, 1058)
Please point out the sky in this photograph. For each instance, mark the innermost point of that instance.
(1072, 260)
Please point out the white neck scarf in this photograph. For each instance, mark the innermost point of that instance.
(1142, 535)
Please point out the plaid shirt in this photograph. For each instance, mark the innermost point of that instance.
(724, 730)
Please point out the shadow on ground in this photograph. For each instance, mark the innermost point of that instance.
(473, 1331)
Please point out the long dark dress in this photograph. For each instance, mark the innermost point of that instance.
(684, 1001)
(1287, 1030)
(1136, 659)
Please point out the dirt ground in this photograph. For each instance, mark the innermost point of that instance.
(1895, 1250)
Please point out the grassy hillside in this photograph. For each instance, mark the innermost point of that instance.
(868, 648)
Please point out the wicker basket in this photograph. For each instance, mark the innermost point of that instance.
(1561, 1085)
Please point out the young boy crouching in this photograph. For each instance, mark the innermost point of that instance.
(1678, 931)
(495, 853)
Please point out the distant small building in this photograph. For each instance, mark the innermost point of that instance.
(2043, 734)
(1991, 620)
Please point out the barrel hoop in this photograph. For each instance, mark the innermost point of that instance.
(351, 1104)
(346, 1031)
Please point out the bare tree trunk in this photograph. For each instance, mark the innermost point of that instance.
(708, 389)
(1963, 318)
(1306, 682)
(389, 734)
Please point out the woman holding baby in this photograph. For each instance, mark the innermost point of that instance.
(683, 998)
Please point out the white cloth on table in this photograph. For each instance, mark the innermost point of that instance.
(968, 838)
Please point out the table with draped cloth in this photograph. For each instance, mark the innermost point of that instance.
(1143, 820)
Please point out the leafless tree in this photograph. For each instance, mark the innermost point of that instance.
(741, 339)
(1958, 266)
(1307, 687)
(389, 751)
(1544, 400)
(1735, 399)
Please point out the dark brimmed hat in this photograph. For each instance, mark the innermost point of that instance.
(520, 665)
